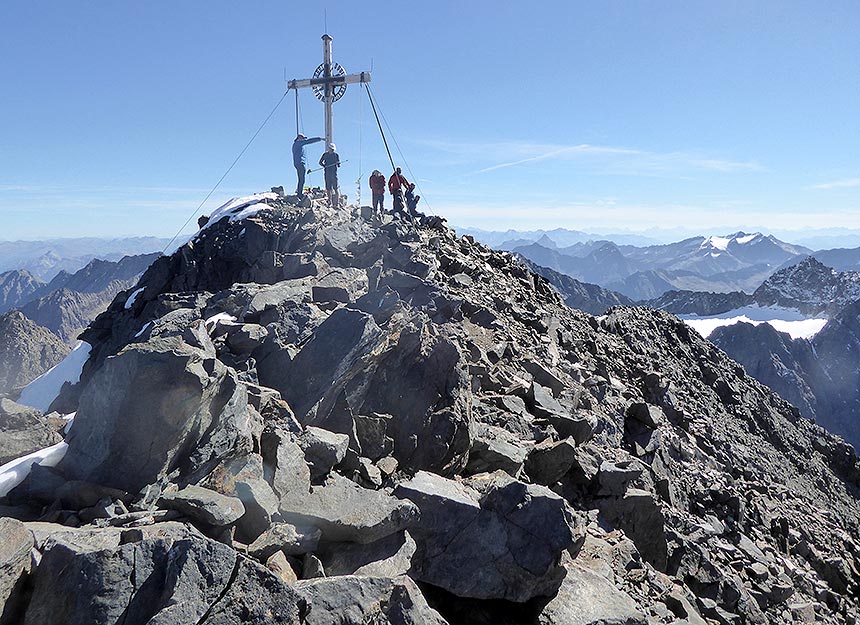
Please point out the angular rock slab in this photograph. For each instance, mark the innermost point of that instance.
(204, 505)
(15, 544)
(157, 582)
(153, 409)
(346, 512)
(492, 538)
(351, 600)
(586, 598)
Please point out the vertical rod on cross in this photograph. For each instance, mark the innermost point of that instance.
(329, 92)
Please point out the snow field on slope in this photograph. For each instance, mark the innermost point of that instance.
(43, 390)
(788, 320)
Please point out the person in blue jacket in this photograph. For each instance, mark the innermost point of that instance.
(299, 159)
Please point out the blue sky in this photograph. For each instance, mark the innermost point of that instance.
(118, 117)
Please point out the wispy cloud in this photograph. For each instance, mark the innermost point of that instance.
(838, 184)
(615, 160)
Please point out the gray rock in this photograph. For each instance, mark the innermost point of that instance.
(496, 538)
(346, 512)
(388, 557)
(586, 598)
(492, 449)
(280, 566)
(330, 294)
(336, 346)
(16, 541)
(157, 581)
(350, 600)
(579, 425)
(24, 430)
(292, 540)
(247, 338)
(550, 460)
(614, 477)
(639, 515)
(244, 478)
(323, 450)
(204, 505)
(646, 414)
(284, 465)
(153, 409)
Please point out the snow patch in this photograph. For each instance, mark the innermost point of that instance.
(43, 390)
(788, 320)
(14, 472)
(212, 322)
(143, 329)
(69, 419)
(132, 298)
(720, 243)
(240, 208)
(745, 239)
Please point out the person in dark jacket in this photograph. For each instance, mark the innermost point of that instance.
(377, 189)
(412, 200)
(299, 159)
(396, 183)
(330, 161)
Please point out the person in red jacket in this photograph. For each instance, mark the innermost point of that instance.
(377, 189)
(396, 184)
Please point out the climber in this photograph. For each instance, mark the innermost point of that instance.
(396, 183)
(299, 160)
(330, 161)
(412, 200)
(377, 189)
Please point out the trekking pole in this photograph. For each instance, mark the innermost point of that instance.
(310, 171)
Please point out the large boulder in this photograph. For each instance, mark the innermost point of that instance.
(157, 581)
(586, 598)
(164, 407)
(344, 511)
(493, 537)
(352, 600)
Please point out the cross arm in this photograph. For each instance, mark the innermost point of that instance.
(333, 81)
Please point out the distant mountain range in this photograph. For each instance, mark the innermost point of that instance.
(809, 287)
(738, 262)
(44, 259)
(40, 320)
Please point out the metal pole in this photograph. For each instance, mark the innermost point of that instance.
(328, 88)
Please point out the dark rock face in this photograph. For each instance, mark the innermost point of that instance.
(26, 351)
(492, 538)
(821, 375)
(446, 382)
(157, 581)
(156, 409)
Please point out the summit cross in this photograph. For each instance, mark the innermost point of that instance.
(329, 84)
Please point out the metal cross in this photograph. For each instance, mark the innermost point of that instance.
(329, 83)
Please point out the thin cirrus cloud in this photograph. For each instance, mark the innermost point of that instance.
(607, 159)
(846, 183)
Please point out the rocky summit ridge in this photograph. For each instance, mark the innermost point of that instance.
(316, 416)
